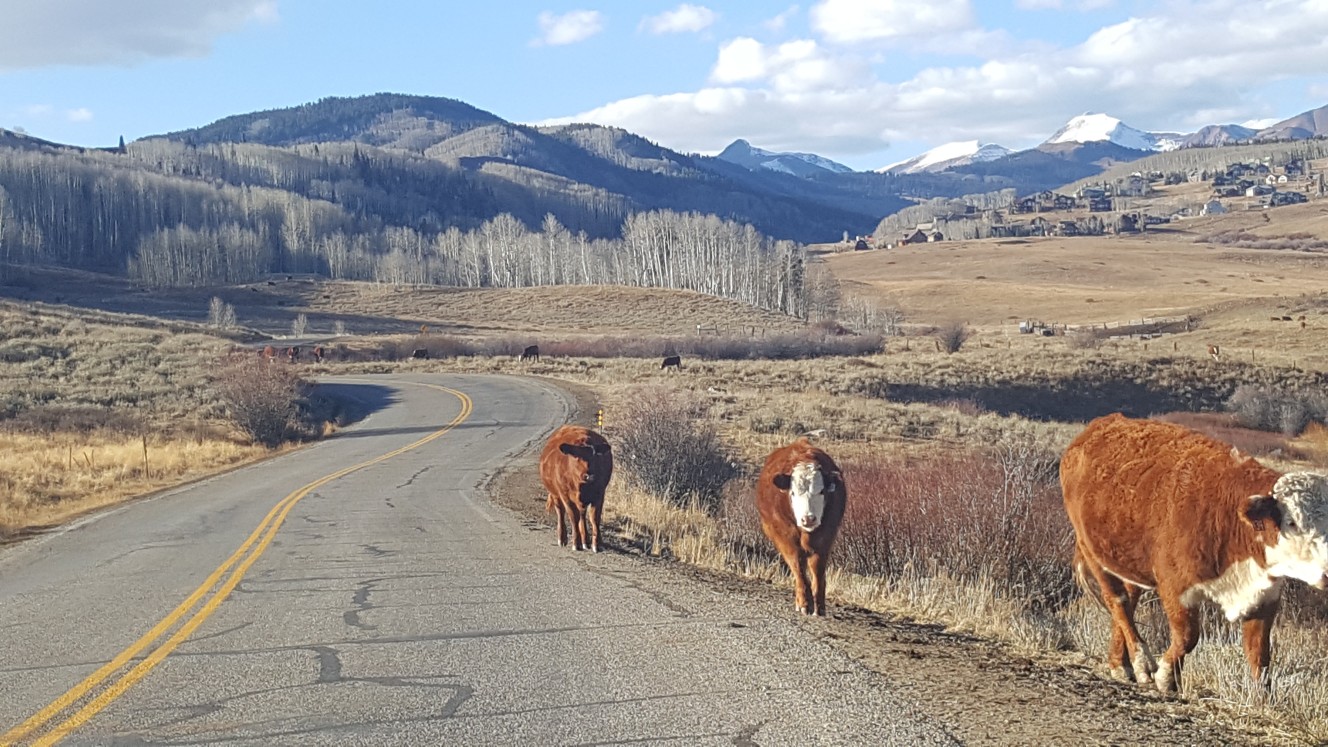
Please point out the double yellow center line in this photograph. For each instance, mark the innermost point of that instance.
(237, 565)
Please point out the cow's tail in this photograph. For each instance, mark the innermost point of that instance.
(549, 505)
(1081, 577)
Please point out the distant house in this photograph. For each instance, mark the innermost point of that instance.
(935, 236)
(1099, 204)
(1213, 207)
(1259, 190)
(861, 246)
(914, 237)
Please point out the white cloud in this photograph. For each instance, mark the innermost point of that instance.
(791, 67)
(40, 33)
(568, 28)
(849, 21)
(1186, 65)
(1259, 124)
(81, 114)
(778, 23)
(1083, 5)
(684, 18)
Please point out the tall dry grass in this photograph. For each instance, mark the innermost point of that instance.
(83, 399)
(49, 478)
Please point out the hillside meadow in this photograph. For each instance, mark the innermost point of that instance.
(945, 452)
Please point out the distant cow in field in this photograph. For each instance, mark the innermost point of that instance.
(575, 467)
(1214, 352)
(318, 353)
(531, 353)
(671, 361)
(800, 495)
(268, 353)
(1158, 506)
(421, 354)
(293, 353)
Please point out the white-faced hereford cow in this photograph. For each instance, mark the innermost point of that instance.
(800, 496)
(575, 467)
(1158, 506)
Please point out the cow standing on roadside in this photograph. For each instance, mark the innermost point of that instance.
(1158, 506)
(575, 467)
(531, 353)
(800, 495)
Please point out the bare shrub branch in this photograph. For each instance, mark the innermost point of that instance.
(261, 398)
(666, 446)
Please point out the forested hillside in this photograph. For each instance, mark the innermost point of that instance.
(167, 214)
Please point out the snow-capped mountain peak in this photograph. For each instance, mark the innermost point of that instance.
(945, 156)
(1093, 128)
(799, 164)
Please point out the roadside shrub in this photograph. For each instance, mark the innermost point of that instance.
(952, 337)
(663, 442)
(48, 419)
(995, 514)
(1285, 411)
(261, 398)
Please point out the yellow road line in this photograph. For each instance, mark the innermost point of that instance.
(267, 528)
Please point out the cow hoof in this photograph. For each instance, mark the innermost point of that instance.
(1121, 674)
(1165, 678)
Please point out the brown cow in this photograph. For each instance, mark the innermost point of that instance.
(800, 496)
(293, 353)
(1158, 506)
(671, 361)
(575, 467)
(318, 353)
(269, 353)
(530, 353)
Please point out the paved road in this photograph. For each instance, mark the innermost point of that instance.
(395, 605)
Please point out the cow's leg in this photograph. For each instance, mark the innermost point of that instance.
(592, 518)
(1116, 597)
(797, 563)
(816, 564)
(1258, 647)
(1118, 656)
(578, 522)
(562, 520)
(1184, 636)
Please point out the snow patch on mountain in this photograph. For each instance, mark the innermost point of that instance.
(1096, 128)
(945, 156)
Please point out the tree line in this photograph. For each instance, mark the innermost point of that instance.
(186, 222)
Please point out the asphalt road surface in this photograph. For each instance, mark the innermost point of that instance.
(364, 591)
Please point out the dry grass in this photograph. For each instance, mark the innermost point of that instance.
(49, 479)
(81, 398)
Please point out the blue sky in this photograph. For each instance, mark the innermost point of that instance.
(866, 82)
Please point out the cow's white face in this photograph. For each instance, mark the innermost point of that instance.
(807, 495)
(1301, 551)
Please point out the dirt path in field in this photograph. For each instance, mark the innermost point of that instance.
(981, 692)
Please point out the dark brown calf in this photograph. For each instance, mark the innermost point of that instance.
(293, 353)
(531, 353)
(575, 467)
(420, 354)
(800, 496)
(1158, 506)
(671, 361)
(318, 354)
